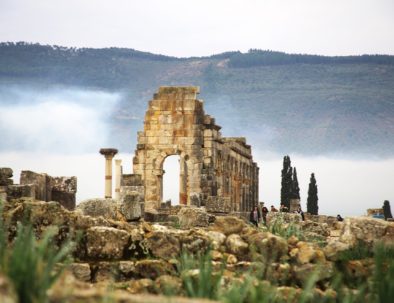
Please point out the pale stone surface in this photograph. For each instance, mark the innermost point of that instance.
(106, 242)
(107, 208)
(269, 245)
(228, 225)
(104, 271)
(81, 271)
(193, 217)
(306, 252)
(322, 271)
(236, 245)
(130, 203)
(364, 229)
(217, 239)
(167, 283)
(7, 292)
(163, 244)
(152, 269)
(126, 267)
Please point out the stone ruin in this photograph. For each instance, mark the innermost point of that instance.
(216, 172)
(39, 187)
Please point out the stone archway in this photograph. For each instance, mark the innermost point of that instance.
(173, 126)
(214, 170)
(182, 189)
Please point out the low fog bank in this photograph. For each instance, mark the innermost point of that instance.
(55, 120)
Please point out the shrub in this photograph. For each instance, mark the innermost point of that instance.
(383, 286)
(198, 276)
(357, 252)
(280, 228)
(32, 265)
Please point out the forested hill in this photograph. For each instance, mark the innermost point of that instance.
(284, 102)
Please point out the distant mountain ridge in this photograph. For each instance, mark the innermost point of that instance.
(283, 102)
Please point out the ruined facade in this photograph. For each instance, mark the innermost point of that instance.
(215, 172)
(39, 187)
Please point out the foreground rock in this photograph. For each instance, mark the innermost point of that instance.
(140, 258)
(106, 242)
(194, 217)
(228, 225)
(7, 292)
(131, 203)
(106, 208)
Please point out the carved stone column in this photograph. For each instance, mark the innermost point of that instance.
(109, 154)
(118, 176)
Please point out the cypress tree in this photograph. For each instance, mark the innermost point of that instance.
(311, 204)
(295, 189)
(387, 210)
(285, 192)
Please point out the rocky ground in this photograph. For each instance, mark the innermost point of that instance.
(148, 262)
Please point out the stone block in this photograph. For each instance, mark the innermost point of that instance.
(19, 191)
(5, 176)
(217, 204)
(3, 193)
(106, 242)
(81, 271)
(105, 271)
(130, 203)
(42, 183)
(152, 269)
(106, 208)
(195, 199)
(194, 217)
(64, 184)
(131, 180)
(66, 199)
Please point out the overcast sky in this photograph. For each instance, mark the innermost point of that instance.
(204, 27)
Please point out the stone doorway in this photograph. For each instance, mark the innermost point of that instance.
(171, 180)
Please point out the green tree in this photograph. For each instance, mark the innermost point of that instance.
(295, 189)
(311, 205)
(387, 210)
(287, 180)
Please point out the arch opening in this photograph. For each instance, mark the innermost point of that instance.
(172, 179)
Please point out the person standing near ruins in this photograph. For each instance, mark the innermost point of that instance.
(283, 209)
(264, 210)
(273, 209)
(301, 213)
(254, 216)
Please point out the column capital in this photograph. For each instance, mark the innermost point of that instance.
(108, 152)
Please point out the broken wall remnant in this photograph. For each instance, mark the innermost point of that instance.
(48, 188)
(215, 172)
(39, 187)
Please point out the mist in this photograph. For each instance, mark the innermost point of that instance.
(59, 132)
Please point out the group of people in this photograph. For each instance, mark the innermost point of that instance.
(255, 216)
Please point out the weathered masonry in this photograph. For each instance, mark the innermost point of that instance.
(215, 172)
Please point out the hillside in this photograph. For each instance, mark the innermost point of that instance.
(281, 102)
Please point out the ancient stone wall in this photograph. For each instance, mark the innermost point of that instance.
(39, 187)
(215, 172)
